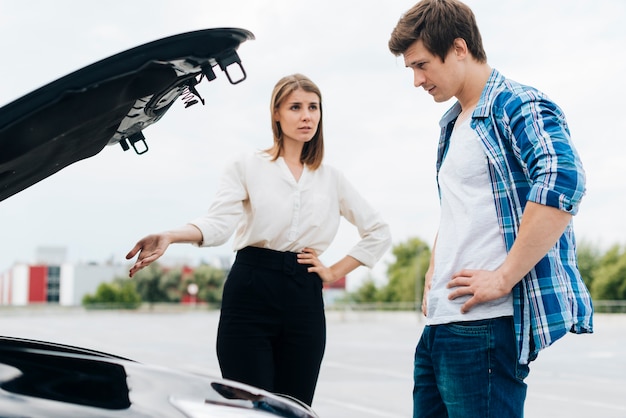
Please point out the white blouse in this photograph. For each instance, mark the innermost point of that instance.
(262, 203)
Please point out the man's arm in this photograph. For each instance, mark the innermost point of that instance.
(540, 229)
(428, 278)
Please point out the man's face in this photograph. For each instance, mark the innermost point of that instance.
(440, 79)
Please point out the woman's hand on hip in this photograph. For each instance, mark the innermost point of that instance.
(309, 256)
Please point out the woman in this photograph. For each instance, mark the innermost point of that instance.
(284, 207)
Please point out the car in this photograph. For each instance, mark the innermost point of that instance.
(73, 118)
(110, 102)
(44, 379)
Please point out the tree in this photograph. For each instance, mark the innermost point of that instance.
(148, 284)
(589, 259)
(609, 281)
(210, 281)
(405, 276)
(367, 293)
(121, 293)
(169, 285)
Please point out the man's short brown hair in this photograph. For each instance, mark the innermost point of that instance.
(437, 23)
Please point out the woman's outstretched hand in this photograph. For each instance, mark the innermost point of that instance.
(150, 248)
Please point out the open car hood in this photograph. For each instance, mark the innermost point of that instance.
(109, 102)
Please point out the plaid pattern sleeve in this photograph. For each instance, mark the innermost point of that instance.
(527, 141)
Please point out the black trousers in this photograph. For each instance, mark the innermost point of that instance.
(272, 329)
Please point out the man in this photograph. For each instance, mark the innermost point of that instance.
(503, 282)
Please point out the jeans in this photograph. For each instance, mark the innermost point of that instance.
(469, 369)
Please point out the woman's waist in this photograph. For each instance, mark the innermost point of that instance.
(285, 261)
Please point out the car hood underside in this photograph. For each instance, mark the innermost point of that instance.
(109, 102)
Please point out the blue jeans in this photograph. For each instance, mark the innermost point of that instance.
(469, 369)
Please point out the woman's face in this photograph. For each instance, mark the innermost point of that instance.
(299, 115)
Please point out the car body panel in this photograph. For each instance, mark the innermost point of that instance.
(44, 379)
(109, 102)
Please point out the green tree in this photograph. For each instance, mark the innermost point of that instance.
(367, 293)
(169, 285)
(589, 260)
(406, 274)
(609, 278)
(148, 284)
(210, 282)
(120, 293)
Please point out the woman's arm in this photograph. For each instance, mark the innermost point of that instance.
(328, 274)
(153, 246)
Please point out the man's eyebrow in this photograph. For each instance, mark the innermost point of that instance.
(415, 63)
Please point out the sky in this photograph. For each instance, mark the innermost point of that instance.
(380, 130)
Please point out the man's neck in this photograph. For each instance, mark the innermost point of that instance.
(477, 76)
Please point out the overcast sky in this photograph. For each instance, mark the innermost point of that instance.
(380, 130)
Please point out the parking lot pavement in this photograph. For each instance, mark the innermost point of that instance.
(367, 369)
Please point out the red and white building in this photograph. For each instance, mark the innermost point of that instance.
(52, 280)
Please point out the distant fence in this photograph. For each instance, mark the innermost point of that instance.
(609, 306)
(374, 306)
(599, 306)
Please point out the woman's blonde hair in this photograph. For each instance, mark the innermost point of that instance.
(313, 150)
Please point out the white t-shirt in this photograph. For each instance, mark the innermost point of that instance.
(262, 203)
(469, 235)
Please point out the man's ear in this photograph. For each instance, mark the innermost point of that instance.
(460, 48)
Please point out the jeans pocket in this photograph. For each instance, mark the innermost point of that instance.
(468, 329)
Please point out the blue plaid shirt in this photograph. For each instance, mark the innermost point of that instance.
(531, 158)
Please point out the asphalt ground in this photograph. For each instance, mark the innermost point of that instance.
(367, 369)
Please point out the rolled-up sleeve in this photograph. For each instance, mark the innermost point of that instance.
(373, 230)
(545, 148)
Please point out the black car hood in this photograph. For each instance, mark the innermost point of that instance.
(45, 379)
(109, 102)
